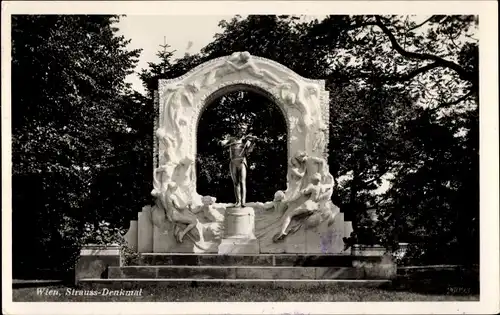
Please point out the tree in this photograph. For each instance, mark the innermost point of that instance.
(438, 53)
(435, 203)
(68, 91)
(403, 112)
(434, 61)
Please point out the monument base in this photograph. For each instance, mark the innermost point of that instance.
(287, 270)
(239, 222)
(239, 228)
(239, 237)
(239, 246)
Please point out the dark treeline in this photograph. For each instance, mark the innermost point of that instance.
(403, 114)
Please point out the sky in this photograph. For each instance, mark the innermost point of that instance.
(184, 34)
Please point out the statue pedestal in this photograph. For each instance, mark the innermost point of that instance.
(239, 237)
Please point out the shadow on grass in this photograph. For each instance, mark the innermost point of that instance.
(43, 278)
(20, 283)
(38, 276)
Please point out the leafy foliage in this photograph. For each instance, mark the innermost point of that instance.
(79, 148)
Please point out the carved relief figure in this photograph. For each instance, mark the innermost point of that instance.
(209, 211)
(184, 172)
(183, 175)
(160, 176)
(327, 183)
(327, 210)
(173, 102)
(165, 155)
(239, 148)
(306, 202)
(312, 95)
(313, 165)
(243, 61)
(319, 140)
(296, 171)
(308, 195)
(278, 204)
(174, 119)
(176, 212)
(299, 99)
(163, 173)
(215, 73)
(158, 215)
(174, 111)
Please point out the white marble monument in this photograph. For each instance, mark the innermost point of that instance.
(301, 219)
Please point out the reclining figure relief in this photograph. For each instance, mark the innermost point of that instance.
(305, 202)
(310, 187)
(243, 61)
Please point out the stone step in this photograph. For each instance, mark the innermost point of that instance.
(314, 260)
(180, 283)
(245, 272)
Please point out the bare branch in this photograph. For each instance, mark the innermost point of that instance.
(464, 74)
(438, 61)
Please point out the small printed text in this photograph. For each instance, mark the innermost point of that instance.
(78, 292)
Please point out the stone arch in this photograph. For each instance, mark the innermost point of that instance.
(255, 175)
(304, 103)
(241, 87)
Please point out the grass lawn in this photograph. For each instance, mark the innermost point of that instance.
(246, 293)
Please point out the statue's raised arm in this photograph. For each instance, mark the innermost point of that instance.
(249, 143)
(227, 141)
(224, 143)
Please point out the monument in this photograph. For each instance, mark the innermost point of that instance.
(301, 219)
(300, 229)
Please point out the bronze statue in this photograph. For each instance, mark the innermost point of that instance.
(239, 147)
